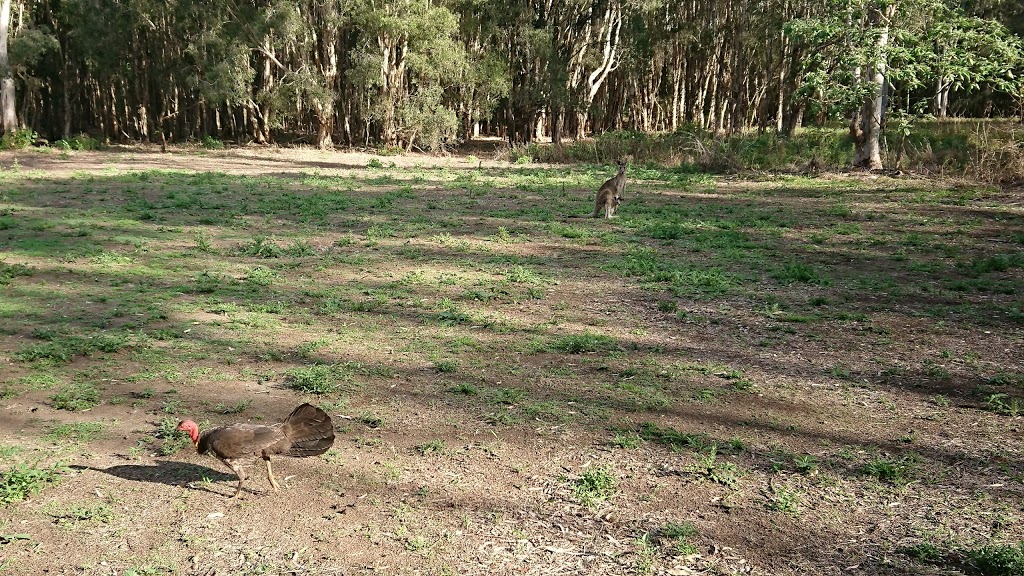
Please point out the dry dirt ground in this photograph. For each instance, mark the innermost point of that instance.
(780, 425)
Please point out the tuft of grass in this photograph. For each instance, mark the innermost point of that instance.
(315, 379)
(76, 397)
(997, 559)
(506, 396)
(784, 499)
(172, 439)
(370, 419)
(897, 471)
(70, 514)
(446, 366)
(627, 440)
(584, 343)
(432, 447)
(79, 431)
(24, 480)
(800, 272)
(594, 486)
(261, 247)
(679, 535)
(465, 389)
(237, 408)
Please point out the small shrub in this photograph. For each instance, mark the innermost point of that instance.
(464, 388)
(997, 559)
(76, 397)
(211, 143)
(584, 343)
(18, 139)
(316, 379)
(594, 486)
(432, 447)
(446, 366)
(898, 471)
(80, 431)
(23, 481)
(261, 247)
(800, 272)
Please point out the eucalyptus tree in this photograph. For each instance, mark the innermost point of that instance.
(863, 50)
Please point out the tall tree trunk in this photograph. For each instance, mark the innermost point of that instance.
(8, 116)
(869, 154)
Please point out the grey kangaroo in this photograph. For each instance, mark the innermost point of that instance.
(609, 195)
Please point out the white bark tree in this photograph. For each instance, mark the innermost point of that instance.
(8, 117)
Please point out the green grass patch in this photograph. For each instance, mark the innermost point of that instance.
(25, 480)
(594, 486)
(79, 432)
(76, 397)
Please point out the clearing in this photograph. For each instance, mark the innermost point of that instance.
(789, 375)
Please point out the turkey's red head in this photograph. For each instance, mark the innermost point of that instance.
(192, 428)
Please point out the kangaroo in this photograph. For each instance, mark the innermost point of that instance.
(609, 195)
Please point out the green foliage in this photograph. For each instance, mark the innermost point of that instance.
(997, 559)
(315, 379)
(594, 486)
(24, 480)
(17, 139)
(79, 431)
(76, 397)
(584, 343)
(898, 471)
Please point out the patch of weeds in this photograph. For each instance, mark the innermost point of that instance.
(70, 514)
(668, 306)
(261, 247)
(522, 275)
(370, 419)
(1004, 404)
(896, 471)
(502, 417)
(203, 242)
(924, 552)
(627, 440)
(79, 431)
(679, 536)
(171, 406)
(506, 396)
(451, 314)
(708, 466)
(783, 499)
(446, 366)
(997, 559)
(25, 480)
(205, 283)
(76, 397)
(800, 272)
(61, 348)
(260, 276)
(464, 388)
(1007, 379)
(645, 554)
(380, 232)
(584, 343)
(673, 438)
(432, 447)
(9, 272)
(805, 464)
(172, 439)
(594, 486)
(237, 408)
(299, 249)
(315, 379)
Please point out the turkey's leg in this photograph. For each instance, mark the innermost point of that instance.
(270, 473)
(241, 478)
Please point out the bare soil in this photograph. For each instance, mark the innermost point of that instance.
(895, 386)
